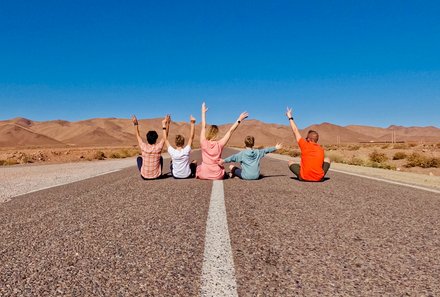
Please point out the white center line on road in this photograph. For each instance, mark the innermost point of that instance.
(388, 181)
(218, 273)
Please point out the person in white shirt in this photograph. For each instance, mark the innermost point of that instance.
(180, 165)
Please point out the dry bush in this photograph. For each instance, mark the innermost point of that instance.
(382, 165)
(99, 155)
(353, 147)
(8, 162)
(385, 146)
(335, 157)
(289, 152)
(418, 160)
(412, 144)
(437, 145)
(356, 161)
(331, 147)
(400, 156)
(124, 153)
(377, 157)
(400, 146)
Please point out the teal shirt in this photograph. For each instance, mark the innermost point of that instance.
(249, 160)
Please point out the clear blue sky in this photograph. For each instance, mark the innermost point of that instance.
(345, 62)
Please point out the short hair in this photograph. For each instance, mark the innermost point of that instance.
(212, 132)
(152, 137)
(313, 136)
(180, 140)
(249, 141)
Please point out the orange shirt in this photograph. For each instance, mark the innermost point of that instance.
(312, 158)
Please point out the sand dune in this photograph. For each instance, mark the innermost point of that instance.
(21, 132)
(13, 135)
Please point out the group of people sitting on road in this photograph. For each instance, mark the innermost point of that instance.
(313, 165)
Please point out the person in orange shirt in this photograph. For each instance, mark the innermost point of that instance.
(314, 165)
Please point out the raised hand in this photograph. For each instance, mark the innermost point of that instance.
(243, 115)
(134, 120)
(192, 119)
(279, 146)
(289, 112)
(204, 108)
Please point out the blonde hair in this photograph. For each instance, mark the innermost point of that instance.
(180, 140)
(212, 132)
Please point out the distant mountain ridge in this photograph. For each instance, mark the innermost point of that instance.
(22, 132)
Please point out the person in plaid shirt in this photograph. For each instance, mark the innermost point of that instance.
(151, 163)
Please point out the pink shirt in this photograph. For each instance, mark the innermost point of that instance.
(151, 159)
(211, 153)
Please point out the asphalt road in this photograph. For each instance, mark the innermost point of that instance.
(117, 235)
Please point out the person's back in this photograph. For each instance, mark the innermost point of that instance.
(180, 165)
(249, 160)
(151, 155)
(212, 148)
(314, 165)
(180, 161)
(211, 153)
(312, 159)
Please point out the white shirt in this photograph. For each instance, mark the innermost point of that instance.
(180, 161)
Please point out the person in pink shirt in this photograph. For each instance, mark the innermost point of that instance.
(212, 148)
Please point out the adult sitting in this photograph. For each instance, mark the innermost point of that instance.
(314, 165)
(151, 163)
(212, 148)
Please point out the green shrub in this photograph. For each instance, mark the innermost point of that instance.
(377, 157)
(400, 156)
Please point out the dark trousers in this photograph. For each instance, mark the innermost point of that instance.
(139, 161)
(296, 169)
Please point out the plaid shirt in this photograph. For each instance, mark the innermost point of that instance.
(151, 159)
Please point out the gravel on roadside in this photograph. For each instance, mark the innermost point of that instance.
(22, 179)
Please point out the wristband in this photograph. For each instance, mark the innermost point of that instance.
(290, 118)
(164, 128)
(135, 124)
(193, 122)
(239, 121)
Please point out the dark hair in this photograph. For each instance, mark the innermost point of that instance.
(249, 141)
(152, 137)
(180, 140)
(312, 135)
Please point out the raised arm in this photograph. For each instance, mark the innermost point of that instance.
(293, 125)
(228, 134)
(165, 129)
(193, 128)
(272, 148)
(136, 126)
(203, 130)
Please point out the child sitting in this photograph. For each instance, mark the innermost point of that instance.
(180, 165)
(249, 160)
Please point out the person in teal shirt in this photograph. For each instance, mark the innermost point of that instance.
(249, 160)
